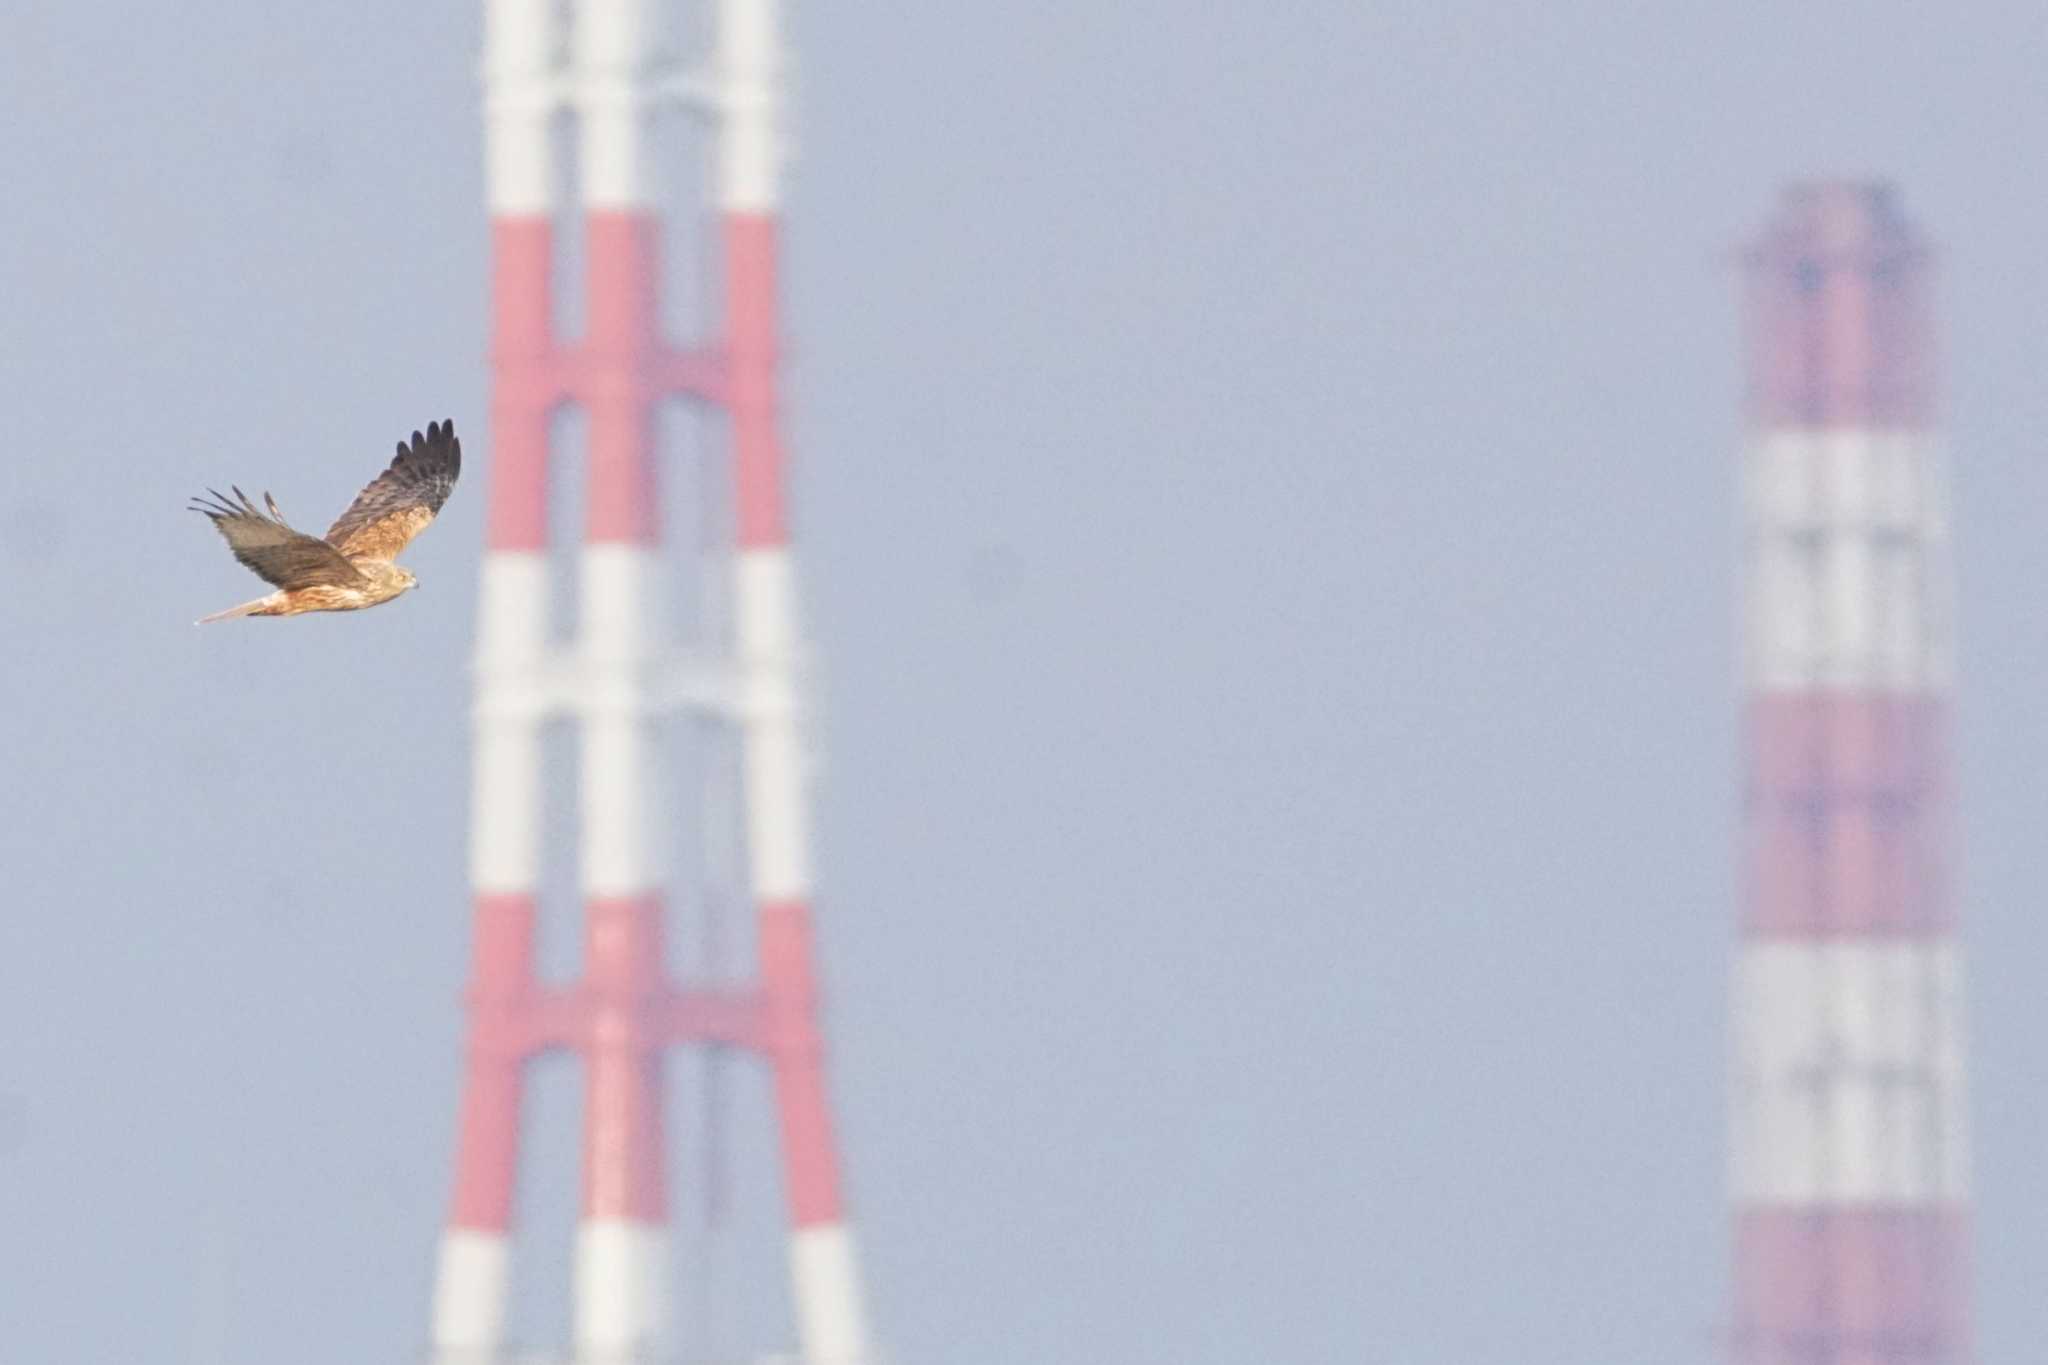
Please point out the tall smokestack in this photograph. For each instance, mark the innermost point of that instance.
(1849, 1155)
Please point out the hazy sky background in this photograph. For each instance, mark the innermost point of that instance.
(1266, 492)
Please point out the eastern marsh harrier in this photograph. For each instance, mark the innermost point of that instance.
(351, 568)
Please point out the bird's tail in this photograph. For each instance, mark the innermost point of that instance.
(255, 608)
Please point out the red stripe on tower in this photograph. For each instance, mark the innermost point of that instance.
(623, 1166)
(487, 1150)
(1849, 1157)
(1845, 792)
(524, 381)
(751, 360)
(1868, 1285)
(617, 376)
(797, 1051)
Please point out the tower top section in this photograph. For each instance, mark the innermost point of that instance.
(1839, 319)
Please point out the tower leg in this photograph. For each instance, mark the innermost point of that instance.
(622, 1252)
(831, 1321)
(471, 1287)
(623, 1263)
(622, 1258)
(823, 1270)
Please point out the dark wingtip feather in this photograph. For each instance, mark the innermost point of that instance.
(217, 511)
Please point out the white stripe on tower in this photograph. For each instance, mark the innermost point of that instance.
(622, 1254)
(1849, 553)
(511, 658)
(772, 758)
(751, 136)
(522, 53)
(823, 1264)
(1855, 1063)
(625, 825)
(1849, 1151)
(472, 1283)
(617, 43)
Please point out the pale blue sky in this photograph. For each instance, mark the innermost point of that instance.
(1266, 492)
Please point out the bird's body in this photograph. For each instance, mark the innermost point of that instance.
(351, 567)
(382, 581)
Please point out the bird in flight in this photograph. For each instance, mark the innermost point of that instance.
(351, 567)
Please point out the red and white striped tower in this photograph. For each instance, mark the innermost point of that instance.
(606, 68)
(1849, 1152)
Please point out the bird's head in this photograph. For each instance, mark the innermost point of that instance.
(407, 579)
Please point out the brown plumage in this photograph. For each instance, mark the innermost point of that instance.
(351, 568)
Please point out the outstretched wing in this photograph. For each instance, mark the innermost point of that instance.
(401, 502)
(277, 553)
